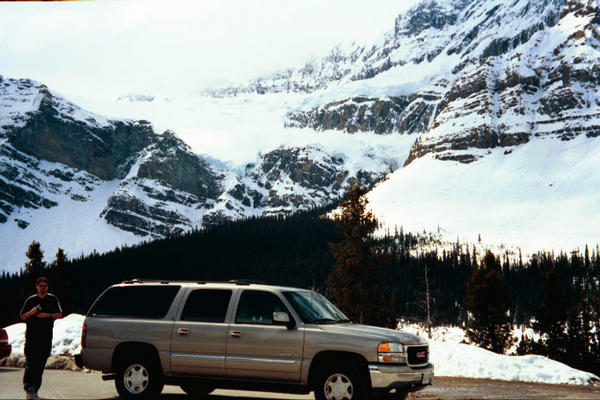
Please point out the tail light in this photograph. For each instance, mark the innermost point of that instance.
(3, 336)
(83, 334)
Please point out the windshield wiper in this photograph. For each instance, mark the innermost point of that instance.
(343, 321)
(324, 321)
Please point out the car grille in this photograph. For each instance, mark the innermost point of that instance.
(418, 355)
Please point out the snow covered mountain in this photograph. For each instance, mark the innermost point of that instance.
(491, 106)
(468, 75)
(73, 179)
(501, 98)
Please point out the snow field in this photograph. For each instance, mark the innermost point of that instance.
(75, 226)
(540, 196)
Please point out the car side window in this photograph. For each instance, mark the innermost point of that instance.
(135, 301)
(206, 305)
(257, 307)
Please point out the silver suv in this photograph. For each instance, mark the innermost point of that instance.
(241, 335)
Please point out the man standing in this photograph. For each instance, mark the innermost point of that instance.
(39, 312)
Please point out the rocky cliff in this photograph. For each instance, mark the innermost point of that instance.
(463, 76)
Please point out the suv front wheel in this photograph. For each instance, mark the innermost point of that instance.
(341, 382)
(138, 378)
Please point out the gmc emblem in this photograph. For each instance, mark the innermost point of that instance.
(421, 354)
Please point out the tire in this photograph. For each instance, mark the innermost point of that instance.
(139, 378)
(195, 389)
(341, 382)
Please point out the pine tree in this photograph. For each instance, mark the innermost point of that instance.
(595, 334)
(427, 302)
(587, 261)
(62, 284)
(488, 302)
(36, 265)
(579, 335)
(551, 318)
(354, 282)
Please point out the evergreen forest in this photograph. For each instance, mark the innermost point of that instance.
(295, 250)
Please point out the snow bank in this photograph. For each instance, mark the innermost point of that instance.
(450, 334)
(452, 357)
(66, 339)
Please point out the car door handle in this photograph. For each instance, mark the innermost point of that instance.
(236, 334)
(183, 332)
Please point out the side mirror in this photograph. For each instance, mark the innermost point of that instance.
(282, 318)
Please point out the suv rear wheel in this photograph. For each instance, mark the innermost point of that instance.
(341, 382)
(138, 378)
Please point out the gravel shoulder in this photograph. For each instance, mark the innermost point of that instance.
(464, 388)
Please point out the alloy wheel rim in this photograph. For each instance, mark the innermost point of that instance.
(136, 378)
(338, 387)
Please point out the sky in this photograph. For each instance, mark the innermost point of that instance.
(103, 49)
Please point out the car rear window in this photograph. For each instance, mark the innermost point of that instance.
(207, 305)
(135, 301)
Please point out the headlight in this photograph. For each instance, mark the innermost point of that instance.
(391, 353)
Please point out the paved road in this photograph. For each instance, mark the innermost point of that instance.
(79, 385)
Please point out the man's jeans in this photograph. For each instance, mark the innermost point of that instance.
(36, 355)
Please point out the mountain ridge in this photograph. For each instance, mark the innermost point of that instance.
(55, 156)
(465, 83)
(497, 80)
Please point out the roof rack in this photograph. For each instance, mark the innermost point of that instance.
(247, 282)
(162, 281)
(238, 282)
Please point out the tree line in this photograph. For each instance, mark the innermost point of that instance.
(331, 255)
(569, 330)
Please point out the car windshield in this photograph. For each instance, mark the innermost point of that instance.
(314, 308)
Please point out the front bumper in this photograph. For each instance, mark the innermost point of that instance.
(386, 378)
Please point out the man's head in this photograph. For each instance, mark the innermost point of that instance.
(41, 284)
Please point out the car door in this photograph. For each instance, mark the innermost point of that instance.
(257, 347)
(199, 337)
